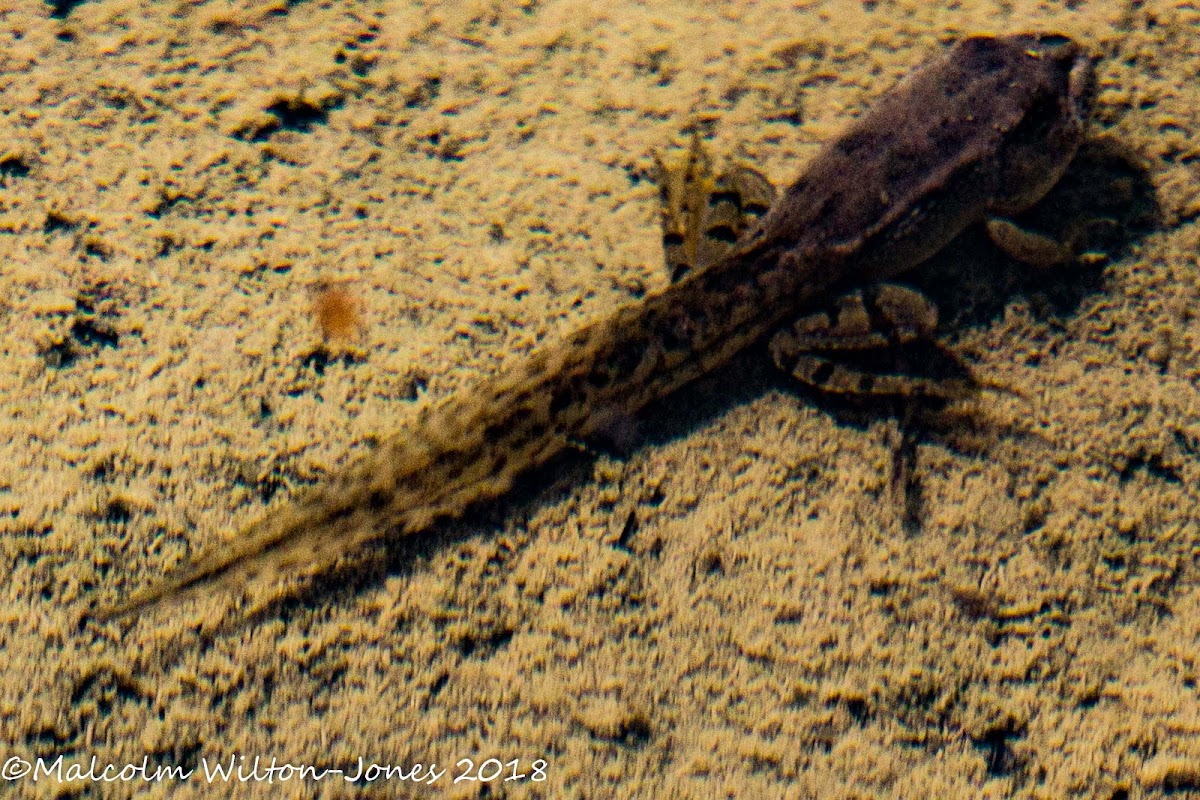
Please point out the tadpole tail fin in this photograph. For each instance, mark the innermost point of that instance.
(274, 546)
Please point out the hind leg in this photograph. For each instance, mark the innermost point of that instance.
(886, 318)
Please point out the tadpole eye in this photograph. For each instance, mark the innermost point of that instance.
(1050, 45)
(1053, 41)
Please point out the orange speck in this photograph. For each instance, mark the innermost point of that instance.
(338, 311)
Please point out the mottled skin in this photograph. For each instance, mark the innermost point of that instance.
(985, 128)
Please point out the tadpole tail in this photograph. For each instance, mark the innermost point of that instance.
(402, 487)
(274, 546)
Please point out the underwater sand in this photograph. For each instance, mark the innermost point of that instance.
(747, 602)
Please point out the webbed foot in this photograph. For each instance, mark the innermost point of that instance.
(704, 213)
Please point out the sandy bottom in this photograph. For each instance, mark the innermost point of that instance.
(749, 602)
